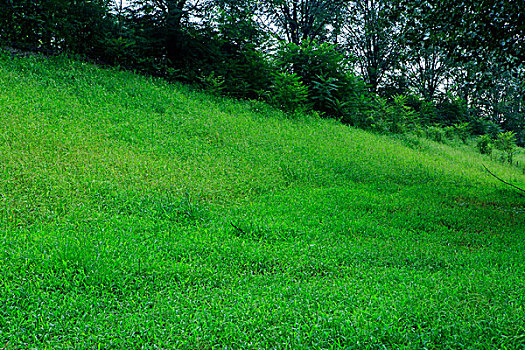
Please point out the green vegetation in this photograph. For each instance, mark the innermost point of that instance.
(392, 66)
(139, 214)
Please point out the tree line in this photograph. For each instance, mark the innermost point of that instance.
(387, 65)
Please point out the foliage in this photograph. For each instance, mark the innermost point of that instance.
(60, 25)
(213, 83)
(235, 53)
(427, 113)
(506, 142)
(451, 111)
(288, 92)
(323, 92)
(323, 69)
(375, 32)
(450, 71)
(480, 28)
(247, 72)
(303, 21)
(485, 144)
(449, 132)
(395, 116)
(435, 133)
(462, 130)
(482, 126)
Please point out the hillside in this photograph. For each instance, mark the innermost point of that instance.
(139, 214)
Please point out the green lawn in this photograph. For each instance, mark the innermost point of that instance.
(139, 214)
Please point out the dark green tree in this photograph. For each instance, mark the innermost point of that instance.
(373, 32)
(79, 26)
(297, 21)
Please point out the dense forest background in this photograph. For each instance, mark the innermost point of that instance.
(425, 66)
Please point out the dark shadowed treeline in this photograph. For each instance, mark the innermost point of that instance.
(390, 65)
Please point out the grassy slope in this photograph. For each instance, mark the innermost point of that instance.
(140, 214)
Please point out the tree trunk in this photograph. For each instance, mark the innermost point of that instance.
(174, 43)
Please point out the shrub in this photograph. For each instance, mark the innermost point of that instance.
(462, 131)
(506, 142)
(81, 28)
(459, 130)
(418, 131)
(402, 117)
(288, 92)
(484, 144)
(395, 116)
(449, 132)
(376, 116)
(424, 109)
(245, 70)
(451, 111)
(435, 133)
(481, 126)
(323, 93)
(213, 83)
(323, 69)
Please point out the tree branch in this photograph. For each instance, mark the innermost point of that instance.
(505, 182)
(238, 229)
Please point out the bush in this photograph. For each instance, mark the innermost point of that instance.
(481, 126)
(323, 93)
(435, 133)
(246, 71)
(425, 110)
(451, 111)
(213, 83)
(449, 132)
(324, 71)
(462, 131)
(81, 28)
(288, 92)
(506, 142)
(484, 144)
(395, 116)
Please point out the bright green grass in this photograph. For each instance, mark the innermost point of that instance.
(138, 214)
